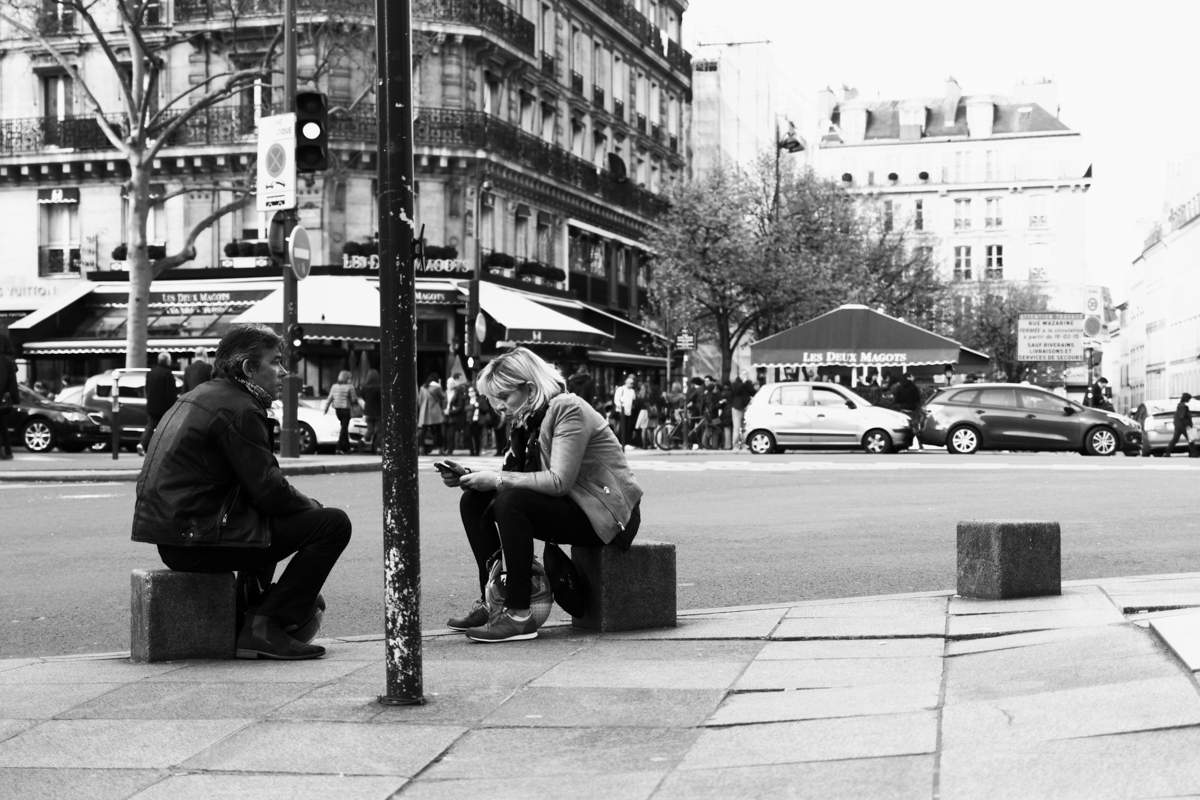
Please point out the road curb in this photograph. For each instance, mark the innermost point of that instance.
(117, 475)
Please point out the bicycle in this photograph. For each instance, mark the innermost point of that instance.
(669, 436)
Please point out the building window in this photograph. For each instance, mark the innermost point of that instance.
(919, 218)
(962, 215)
(962, 166)
(962, 263)
(339, 196)
(57, 97)
(1037, 211)
(995, 216)
(549, 116)
(995, 262)
(58, 236)
(887, 215)
(522, 239)
(1039, 260)
(993, 165)
(545, 242)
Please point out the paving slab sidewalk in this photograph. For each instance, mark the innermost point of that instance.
(921, 696)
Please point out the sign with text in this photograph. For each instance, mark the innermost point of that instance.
(276, 188)
(1050, 337)
(685, 340)
(871, 358)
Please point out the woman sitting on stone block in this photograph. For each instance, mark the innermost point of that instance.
(565, 479)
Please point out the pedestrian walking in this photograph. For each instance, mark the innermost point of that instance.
(372, 396)
(641, 415)
(161, 393)
(455, 423)
(198, 371)
(1095, 395)
(623, 399)
(10, 393)
(726, 408)
(343, 400)
(475, 420)
(565, 480)
(710, 402)
(431, 400)
(907, 395)
(211, 496)
(1184, 428)
(654, 414)
(739, 398)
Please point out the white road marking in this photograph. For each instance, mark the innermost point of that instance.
(84, 496)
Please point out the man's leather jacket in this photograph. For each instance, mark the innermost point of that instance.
(210, 476)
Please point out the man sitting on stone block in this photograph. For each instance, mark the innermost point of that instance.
(212, 497)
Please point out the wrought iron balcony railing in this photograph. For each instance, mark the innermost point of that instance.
(549, 65)
(490, 14)
(640, 124)
(679, 58)
(619, 109)
(576, 82)
(477, 130)
(674, 143)
(200, 10)
(655, 132)
(633, 19)
(597, 97)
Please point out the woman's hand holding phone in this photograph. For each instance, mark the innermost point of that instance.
(450, 472)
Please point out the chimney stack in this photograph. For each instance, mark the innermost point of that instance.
(825, 103)
(950, 104)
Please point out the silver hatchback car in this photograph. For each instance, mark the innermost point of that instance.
(783, 416)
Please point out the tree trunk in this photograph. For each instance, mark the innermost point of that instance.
(725, 345)
(140, 268)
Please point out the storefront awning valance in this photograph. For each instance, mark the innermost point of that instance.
(65, 195)
(66, 347)
(330, 307)
(527, 322)
(857, 336)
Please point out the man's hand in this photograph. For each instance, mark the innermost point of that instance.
(480, 481)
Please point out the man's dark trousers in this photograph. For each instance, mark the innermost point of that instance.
(317, 537)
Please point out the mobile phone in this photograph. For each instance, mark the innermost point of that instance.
(446, 469)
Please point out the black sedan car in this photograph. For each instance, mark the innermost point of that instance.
(42, 424)
(1009, 416)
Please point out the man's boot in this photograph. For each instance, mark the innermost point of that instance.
(263, 637)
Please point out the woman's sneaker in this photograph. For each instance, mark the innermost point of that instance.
(503, 627)
(477, 616)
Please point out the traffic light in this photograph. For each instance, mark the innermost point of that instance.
(312, 132)
(295, 343)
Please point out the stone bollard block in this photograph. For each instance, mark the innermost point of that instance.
(999, 559)
(176, 615)
(627, 591)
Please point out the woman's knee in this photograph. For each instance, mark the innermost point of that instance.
(512, 500)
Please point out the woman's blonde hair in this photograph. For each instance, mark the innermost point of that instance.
(344, 376)
(516, 368)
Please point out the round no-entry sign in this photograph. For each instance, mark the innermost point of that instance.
(299, 253)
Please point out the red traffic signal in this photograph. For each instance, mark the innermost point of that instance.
(312, 132)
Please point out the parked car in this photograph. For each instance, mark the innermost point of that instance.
(97, 396)
(1159, 425)
(72, 395)
(41, 424)
(783, 416)
(317, 429)
(1009, 416)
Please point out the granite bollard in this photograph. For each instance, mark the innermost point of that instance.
(627, 591)
(1000, 559)
(177, 615)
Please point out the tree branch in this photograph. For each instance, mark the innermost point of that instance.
(188, 251)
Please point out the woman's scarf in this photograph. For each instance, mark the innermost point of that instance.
(524, 447)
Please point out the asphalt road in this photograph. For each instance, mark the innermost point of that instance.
(748, 530)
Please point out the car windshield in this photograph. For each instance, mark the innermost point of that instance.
(30, 396)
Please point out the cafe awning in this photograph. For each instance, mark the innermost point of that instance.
(527, 322)
(330, 307)
(857, 336)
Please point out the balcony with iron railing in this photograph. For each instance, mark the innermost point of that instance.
(476, 130)
(633, 19)
(549, 65)
(619, 109)
(576, 83)
(679, 58)
(202, 10)
(598, 97)
(674, 143)
(491, 15)
(640, 123)
(656, 132)
(211, 126)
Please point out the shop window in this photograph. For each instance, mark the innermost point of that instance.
(431, 331)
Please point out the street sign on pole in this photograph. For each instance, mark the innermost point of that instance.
(685, 340)
(276, 185)
(299, 253)
(1050, 337)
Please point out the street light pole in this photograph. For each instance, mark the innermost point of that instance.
(289, 440)
(398, 359)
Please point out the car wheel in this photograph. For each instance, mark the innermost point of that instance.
(963, 441)
(877, 442)
(101, 447)
(761, 443)
(1102, 442)
(308, 440)
(38, 435)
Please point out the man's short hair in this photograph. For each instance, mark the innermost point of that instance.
(241, 342)
(164, 358)
(1102, 380)
(201, 352)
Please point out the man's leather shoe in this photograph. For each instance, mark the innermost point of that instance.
(308, 631)
(263, 637)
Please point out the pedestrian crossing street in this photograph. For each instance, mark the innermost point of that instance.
(851, 462)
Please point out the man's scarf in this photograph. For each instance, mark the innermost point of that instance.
(259, 394)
